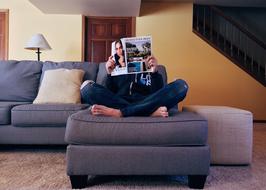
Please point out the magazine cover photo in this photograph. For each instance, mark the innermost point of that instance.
(130, 54)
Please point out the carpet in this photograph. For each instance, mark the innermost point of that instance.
(28, 168)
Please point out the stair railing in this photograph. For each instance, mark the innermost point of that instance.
(231, 39)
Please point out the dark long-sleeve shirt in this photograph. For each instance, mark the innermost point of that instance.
(134, 87)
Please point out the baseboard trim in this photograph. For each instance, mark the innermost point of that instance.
(259, 121)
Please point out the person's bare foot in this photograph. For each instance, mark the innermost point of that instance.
(160, 112)
(103, 110)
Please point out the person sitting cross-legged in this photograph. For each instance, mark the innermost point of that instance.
(141, 94)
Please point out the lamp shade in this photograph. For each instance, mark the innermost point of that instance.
(37, 42)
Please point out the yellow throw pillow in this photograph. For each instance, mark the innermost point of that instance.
(60, 86)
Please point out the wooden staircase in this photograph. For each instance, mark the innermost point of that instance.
(231, 39)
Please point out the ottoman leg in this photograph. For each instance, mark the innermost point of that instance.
(78, 181)
(196, 181)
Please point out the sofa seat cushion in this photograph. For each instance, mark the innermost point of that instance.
(5, 111)
(183, 128)
(43, 114)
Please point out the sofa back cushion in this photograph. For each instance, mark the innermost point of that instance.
(90, 69)
(102, 74)
(162, 71)
(19, 80)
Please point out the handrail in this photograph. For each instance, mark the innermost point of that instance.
(250, 35)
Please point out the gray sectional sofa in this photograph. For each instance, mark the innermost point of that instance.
(22, 122)
(100, 145)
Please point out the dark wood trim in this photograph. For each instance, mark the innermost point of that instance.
(83, 38)
(232, 21)
(133, 29)
(259, 121)
(7, 33)
(6, 11)
(106, 17)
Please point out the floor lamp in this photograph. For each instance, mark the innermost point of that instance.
(38, 42)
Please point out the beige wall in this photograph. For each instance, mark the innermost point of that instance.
(212, 78)
(63, 32)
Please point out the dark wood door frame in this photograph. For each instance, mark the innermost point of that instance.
(85, 32)
(5, 14)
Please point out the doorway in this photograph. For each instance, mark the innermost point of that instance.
(3, 34)
(100, 32)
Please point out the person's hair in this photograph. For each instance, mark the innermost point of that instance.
(117, 57)
(118, 41)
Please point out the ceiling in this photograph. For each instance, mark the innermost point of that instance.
(89, 7)
(122, 7)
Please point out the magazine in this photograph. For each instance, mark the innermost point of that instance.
(129, 55)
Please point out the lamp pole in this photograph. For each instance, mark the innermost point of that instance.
(38, 53)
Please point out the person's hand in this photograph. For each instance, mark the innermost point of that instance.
(151, 63)
(110, 65)
(121, 61)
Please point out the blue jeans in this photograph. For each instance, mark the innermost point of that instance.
(170, 95)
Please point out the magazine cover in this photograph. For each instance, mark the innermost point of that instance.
(129, 55)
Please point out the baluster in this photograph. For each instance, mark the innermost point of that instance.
(243, 49)
(211, 38)
(264, 72)
(217, 31)
(197, 18)
(252, 64)
(194, 24)
(245, 53)
(257, 68)
(262, 60)
(256, 60)
(204, 21)
(238, 44)
(263, 54)
(224, 34)
(232, 34)
(252, 47)
(249, 55)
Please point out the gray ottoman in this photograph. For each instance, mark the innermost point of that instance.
(230, 133)
(137, 146)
